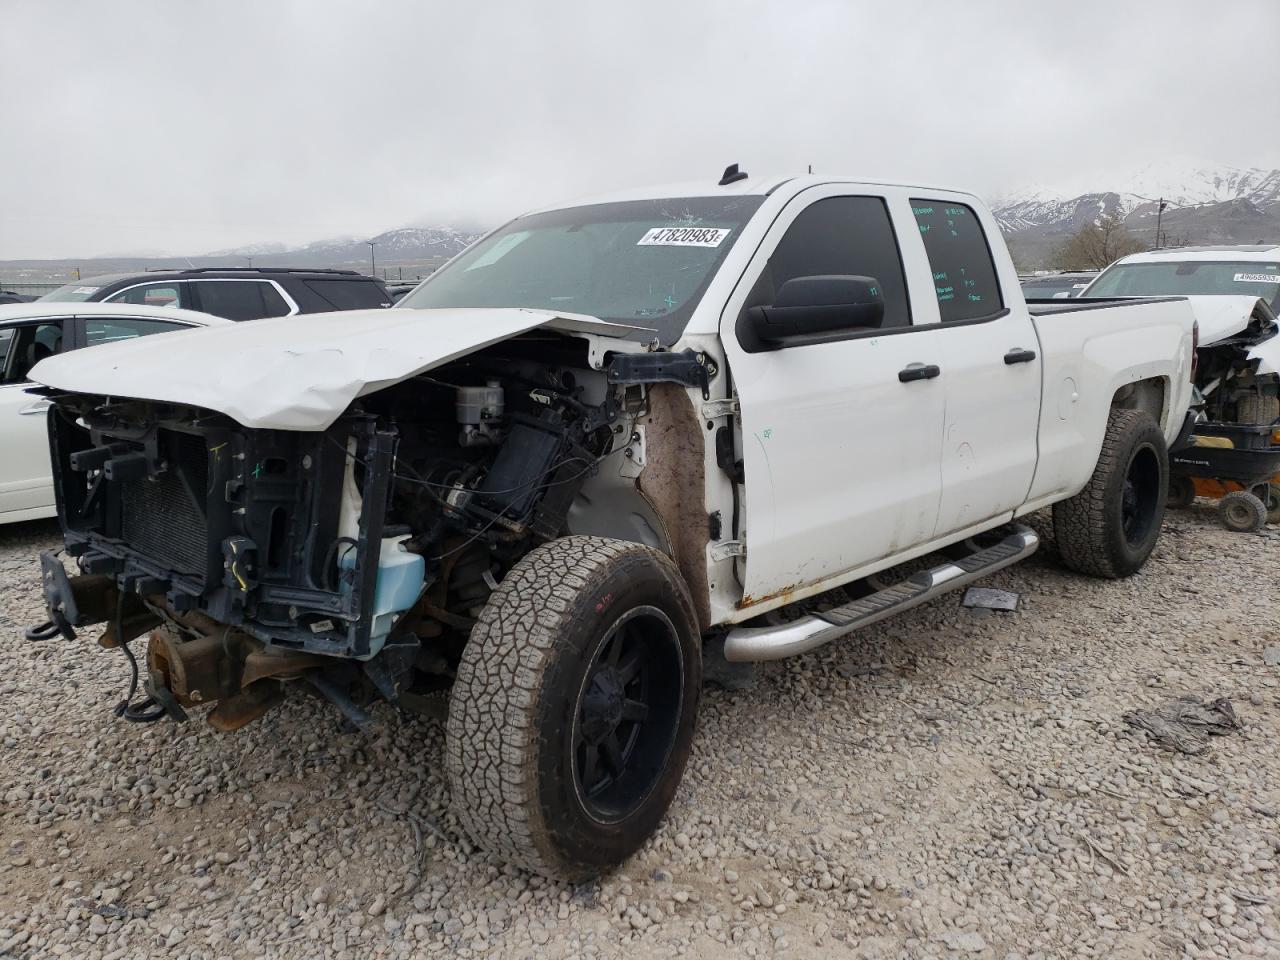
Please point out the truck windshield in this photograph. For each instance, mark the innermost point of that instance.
(644, 262)
(81, 289)
(1190, 277)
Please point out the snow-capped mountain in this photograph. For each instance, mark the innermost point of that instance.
(263, 249)
(399, 244)
(1182, 184)
(1187, 185)
(417, 241)
(1040, 207)
(1205, 204)
(404, 253)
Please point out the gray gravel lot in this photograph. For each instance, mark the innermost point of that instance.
(948, 783)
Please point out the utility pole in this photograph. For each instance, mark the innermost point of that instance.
(373, 264)
(250, 259)
(1160, 203)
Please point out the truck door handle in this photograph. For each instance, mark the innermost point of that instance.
(1018, 355)
(918, 371)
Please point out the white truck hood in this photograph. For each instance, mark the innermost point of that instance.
(1220, 317)
(298, 372)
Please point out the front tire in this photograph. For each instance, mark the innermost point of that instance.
(572, 715)
(1111, 526)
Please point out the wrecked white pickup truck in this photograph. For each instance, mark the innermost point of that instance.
(601, 435)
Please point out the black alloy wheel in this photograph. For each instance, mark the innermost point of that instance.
(1141, 501)
(627, 713)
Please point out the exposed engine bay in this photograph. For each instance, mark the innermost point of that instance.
(1237, 385)
(354, 558)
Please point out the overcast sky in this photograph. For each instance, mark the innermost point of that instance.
(186, 127)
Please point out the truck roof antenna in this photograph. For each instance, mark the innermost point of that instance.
(732, 175)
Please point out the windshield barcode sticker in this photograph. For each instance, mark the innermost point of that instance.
(684, 237)
(1258, 278)
(85, 290)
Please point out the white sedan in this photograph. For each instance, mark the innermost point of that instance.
(29, 332)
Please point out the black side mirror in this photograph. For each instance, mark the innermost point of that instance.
(806, 308)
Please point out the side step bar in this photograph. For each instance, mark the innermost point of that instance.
(746, 644)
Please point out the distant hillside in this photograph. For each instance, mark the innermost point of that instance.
(1206, 205)
(405, 251)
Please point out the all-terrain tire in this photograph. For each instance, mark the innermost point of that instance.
(1111, 526)
(1242, 512)
(519, 706)
(1257, 410)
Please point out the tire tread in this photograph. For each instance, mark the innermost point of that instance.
(492, 742)
(1081, 523)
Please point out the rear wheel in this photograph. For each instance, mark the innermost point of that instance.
(1111, 526)
(1182, 493)
(572, 715)
(1242, 512)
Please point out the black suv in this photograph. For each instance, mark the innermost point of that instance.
(248, 294)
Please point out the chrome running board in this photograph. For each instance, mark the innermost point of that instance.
(746, 644)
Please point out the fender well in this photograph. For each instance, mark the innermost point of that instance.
(1149, 396)
(665, 506)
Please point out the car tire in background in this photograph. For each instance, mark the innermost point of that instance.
(1257, 410)
(572, 716)
(1272, 500)
(1182, 493)
(1242, 512)
(1111, 526)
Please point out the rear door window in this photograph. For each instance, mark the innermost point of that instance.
(240, 299)
(110, 329)
(964, 275)
(273, 304)
(167, 294)
(349, 294)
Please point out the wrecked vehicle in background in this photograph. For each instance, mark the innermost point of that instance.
(1232, 455)
(1235, 296)
(599, 436)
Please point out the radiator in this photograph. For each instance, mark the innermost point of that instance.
(163, 517)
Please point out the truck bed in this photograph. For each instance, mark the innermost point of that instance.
(1044, 308)
(1106, 346)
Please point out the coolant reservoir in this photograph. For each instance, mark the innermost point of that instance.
(400, 578)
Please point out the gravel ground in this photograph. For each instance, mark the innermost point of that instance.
(948, 783)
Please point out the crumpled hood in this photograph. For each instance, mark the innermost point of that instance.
(1221, 316)
(298, 372)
